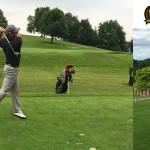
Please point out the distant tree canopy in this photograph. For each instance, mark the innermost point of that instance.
(86, 33)
(139, 64)
(47, 22)
(3, 21)
(55, 23)
(111, 36)
(57, 26)
(73, 27)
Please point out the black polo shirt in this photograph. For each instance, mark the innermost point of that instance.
(11, 58)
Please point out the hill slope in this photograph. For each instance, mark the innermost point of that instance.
(44, 43)
(96, 68)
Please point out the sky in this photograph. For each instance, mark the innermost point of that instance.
(141, 31)
(97, 11)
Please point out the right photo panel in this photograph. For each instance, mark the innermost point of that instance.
(141, 75)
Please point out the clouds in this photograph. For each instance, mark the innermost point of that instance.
(141, 44)
(96, 11)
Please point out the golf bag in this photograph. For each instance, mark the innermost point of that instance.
(62, 81)
(61, 87)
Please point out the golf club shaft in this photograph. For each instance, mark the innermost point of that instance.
(76, 88)
(15, 53)
(68, 85)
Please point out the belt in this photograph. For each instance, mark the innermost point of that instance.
(12, 66)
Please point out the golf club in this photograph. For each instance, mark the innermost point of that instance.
(15, 53)
(76, 88)
(68, 85)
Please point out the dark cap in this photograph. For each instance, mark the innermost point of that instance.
(11, 29)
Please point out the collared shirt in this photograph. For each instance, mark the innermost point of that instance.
(16, 44)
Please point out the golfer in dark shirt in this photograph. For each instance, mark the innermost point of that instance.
(11, 45)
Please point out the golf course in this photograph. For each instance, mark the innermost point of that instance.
(97, 112)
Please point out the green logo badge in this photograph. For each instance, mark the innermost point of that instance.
(147, 15)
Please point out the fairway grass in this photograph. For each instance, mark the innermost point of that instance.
(141, 125)
(96, 113)
(56, 123)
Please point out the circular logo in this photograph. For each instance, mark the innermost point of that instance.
(147, 15)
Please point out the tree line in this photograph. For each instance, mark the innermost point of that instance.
(139, 64)
(57, 24)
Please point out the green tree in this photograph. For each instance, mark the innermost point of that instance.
(56, 26)
(30, 25)
(3, 21)
(147, 62)
(48, 22)
(111, 36)
(142, 79)
(73, 24)
(95, 38)
(86, 34)
(39, 22)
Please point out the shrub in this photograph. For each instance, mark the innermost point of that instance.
(142, 79)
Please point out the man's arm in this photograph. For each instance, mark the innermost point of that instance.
(1, 31)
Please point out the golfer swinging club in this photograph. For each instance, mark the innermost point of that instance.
(11, 46)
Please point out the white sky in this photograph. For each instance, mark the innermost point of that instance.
(139, 7)
(141, 33)
(97, 11)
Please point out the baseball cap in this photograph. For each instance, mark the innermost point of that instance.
(68, 66)
(11, 28)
